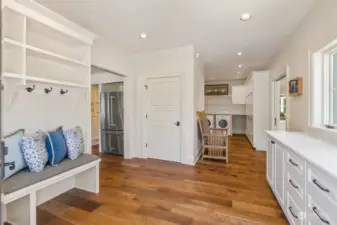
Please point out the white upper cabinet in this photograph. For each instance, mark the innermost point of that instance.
(238, 94)
(257, 108)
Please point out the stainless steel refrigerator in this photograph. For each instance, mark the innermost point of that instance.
(112, 119)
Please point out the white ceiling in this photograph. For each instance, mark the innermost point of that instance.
(212, 26)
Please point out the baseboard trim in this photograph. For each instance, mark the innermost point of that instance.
(197, 157)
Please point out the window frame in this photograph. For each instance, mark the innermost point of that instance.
(321, 111)
(328, 88)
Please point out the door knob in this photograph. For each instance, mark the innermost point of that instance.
(177, 123)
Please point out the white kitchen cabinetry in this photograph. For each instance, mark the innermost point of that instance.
(270, 161)
(257, 108)
(279, 173)
(302, 173)
(238, 94)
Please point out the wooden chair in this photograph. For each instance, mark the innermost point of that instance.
(214, 141)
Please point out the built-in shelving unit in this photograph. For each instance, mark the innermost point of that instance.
(43, 51)
(37, 52)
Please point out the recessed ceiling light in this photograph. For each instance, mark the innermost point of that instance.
(245, 16)
(239, 53)
(197, 55)
(240, 65)
(238, 72)
(143, 35)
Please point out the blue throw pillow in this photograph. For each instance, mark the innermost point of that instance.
(14, 157)
(35, 152)
(56, 147)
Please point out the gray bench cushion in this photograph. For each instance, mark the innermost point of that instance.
(26, 178)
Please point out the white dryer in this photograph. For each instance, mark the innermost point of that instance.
(211, 120)
(224, 122)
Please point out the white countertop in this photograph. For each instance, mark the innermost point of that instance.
(317, 152)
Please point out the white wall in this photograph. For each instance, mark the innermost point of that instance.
(199, 95)
(37, 110)
(317, 30)
(173, 62)
(105, 77)
(110, 56)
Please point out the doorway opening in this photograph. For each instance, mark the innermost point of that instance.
(280, 103)
(107, 112)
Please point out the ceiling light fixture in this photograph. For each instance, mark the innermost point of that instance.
(197, 55)
(143, 36)
(245, 16)
(239, 53)
(238, 72)
(240, 65)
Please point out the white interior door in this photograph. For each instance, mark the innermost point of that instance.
(164, 119)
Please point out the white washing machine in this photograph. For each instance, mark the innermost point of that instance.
(224, 122)
(211, 120)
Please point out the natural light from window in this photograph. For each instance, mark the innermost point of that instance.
(334, 88)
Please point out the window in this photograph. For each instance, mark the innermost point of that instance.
(324, 87)
(334, 88)
(330, 90)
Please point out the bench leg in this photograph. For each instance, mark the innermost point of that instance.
(88, 180)
(22, 211)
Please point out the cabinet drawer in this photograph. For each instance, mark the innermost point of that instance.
(320, 212)
(295, 213)
(295, 163)
(296, 188)
(321, 185)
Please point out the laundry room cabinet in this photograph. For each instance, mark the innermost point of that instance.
(257, 92)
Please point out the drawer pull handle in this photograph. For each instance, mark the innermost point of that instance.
(293, 184)
(320, 186)
(292, 162)
(319, 215)
(292, 213)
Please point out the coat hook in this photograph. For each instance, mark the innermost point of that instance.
(47, 90)
(62, 92)
(30, 89)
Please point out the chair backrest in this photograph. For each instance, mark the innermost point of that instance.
(204, 126)
(201, 115)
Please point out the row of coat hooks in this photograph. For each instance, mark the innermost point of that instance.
(46, 90)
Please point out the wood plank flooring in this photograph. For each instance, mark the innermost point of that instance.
(153, 192)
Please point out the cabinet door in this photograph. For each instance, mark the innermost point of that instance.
(238, 94)
(270, 161)
(279, 173)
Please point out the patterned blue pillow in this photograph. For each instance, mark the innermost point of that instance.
(73, 143)
(80, 136)
(35, 152)
(56, 147)
(14, 157)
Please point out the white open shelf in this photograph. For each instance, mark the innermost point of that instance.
(41, 80)
(37, 51)
(41, 53)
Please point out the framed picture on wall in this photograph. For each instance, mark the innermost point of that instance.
(296, 87)
(216, 89)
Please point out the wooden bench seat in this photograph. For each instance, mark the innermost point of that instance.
(24, 191)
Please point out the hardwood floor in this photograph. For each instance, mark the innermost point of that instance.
(154, 192)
